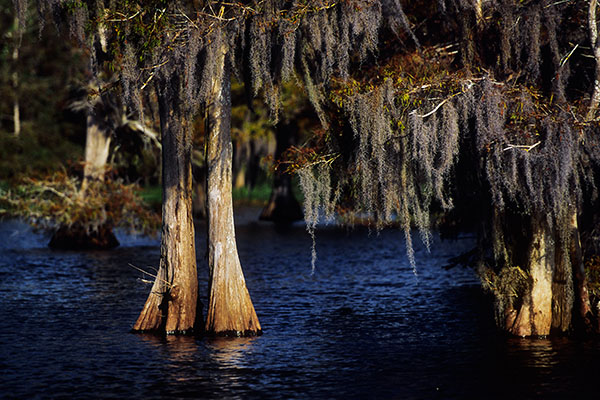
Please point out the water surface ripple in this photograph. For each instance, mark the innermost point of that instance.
(362, 326)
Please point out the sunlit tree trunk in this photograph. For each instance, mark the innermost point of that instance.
(98, 135)
(555, 297)
(97, 146)
(230, 310)
(15, 82)
(593, 28)
(534, 317)
(172, 303)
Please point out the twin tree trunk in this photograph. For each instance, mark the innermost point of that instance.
(556, 293)
(172, 305)
(230, 310)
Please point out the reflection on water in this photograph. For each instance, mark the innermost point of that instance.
(362, 326)
(230, 352)
(538, 352)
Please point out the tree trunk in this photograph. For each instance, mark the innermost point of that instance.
(562, 287)
(230, 309)
(583, 308)
(15, 85)
(97, 146)
(172, 303)
(534, 318)
(593, 27)
(79, 236)
(241, 158)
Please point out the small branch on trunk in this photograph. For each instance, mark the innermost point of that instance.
(566, 58)
(468, 85)
(149, 274)
(522, 146)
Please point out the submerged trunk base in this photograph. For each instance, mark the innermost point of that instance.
(162, 332)
(232, 333)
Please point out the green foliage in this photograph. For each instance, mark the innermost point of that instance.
(246, 123)
(57, 201)
(35, 153)
(257, 195)
(152, 197)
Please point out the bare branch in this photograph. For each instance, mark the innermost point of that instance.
(522, 146)
(149, 274)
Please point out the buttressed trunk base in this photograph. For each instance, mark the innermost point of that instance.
(554, 298)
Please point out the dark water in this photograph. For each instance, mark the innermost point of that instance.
(362, 326)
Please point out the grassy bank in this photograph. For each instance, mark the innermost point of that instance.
(255, 196)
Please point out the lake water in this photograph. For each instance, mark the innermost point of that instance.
(363, 326)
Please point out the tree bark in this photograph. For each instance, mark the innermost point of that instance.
(534, 317)
(171, 306)
(97, 146)
(15, 81)
(583, 306)
(562, 287)
(593, 27)
(230, 309)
